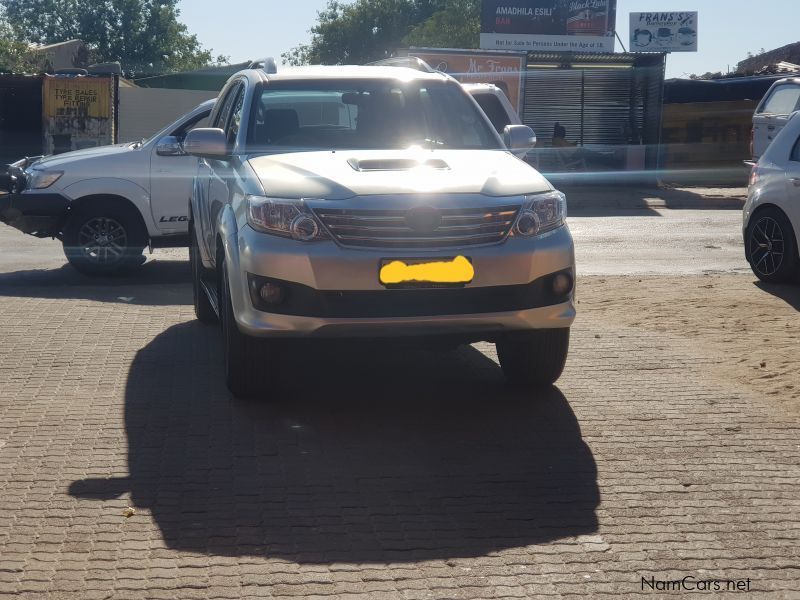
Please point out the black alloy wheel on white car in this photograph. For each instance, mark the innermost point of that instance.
(104, 239)
(771, 246)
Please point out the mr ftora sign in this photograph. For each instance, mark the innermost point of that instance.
(560, 25)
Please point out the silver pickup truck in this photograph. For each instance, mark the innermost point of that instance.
(373, 201)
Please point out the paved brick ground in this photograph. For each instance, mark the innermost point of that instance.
(395, 473)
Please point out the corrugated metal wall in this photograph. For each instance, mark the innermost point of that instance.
(593, 105)
(553, 96)
(601, 101)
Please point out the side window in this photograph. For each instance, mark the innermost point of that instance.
(222, 116)
(782, 101)
(795, 157)
(490, 104)
(236, 117)
(200, 121)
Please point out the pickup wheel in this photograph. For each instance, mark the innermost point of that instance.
(202, 305)
(104, 240)
(771, 246)
(247, 359)
(533, 359)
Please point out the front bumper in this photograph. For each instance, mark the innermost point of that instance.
(335, 291)
(36, 214)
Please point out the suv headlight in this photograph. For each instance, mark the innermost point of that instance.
(284, 217)
(38, 180)
(541, 213)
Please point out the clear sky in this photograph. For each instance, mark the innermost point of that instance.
(728, 29)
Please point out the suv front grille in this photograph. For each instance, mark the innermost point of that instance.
(377, 228)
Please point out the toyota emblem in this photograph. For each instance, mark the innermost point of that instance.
(423, 219)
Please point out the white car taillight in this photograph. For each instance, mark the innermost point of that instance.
(754, 176)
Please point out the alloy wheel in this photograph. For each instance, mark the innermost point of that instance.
(103, 240)
(767, 246)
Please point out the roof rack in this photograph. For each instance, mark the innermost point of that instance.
(411, 62)
(268, 64)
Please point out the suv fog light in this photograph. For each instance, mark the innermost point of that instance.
(528, 223)
(304, 228)
(562, 284)
(271, 293)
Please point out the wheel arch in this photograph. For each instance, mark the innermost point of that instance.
(98, 202)
(117, 189)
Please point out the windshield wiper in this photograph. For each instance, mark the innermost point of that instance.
(428, 143)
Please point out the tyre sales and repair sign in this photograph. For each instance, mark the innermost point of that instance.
(548, 25)
(664, 31)
(78, 112)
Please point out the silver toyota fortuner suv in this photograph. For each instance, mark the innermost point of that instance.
(374, 202)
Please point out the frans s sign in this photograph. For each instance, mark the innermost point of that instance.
(548, 25)
(664, 31)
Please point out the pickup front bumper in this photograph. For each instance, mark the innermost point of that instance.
(36, 214)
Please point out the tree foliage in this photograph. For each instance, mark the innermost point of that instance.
(143, 35)
(368, 30)
(457, 26)
(13, 53)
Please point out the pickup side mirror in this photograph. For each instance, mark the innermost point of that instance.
(519, 137)
(207, 142)
(170, 146)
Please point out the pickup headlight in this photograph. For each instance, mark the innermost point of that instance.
(284, 217)
(38, 180)
(541, 213)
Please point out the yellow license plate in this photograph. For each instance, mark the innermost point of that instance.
(426, 271)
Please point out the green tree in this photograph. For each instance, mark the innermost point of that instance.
(14, 56)
(145, 36)
(458, 25)
(368, 30)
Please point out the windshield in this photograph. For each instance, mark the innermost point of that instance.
(367, 115)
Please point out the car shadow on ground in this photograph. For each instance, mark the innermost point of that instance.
(156, 283)
(789, 293)
(641, 201)
(369, 452)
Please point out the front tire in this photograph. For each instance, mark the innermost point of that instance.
(771, 246)
(533, 359)
(104, 240)
(203, 309)
(247, 361)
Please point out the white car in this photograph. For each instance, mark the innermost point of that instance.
(107, 204)
(772, 210)
(773, 112)
(494, 103)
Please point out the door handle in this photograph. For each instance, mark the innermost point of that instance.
(771, 128)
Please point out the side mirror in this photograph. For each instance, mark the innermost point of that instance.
(206, 142)
(170, 146)
(519, 138)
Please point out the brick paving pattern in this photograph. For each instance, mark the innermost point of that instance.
(386, 472)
